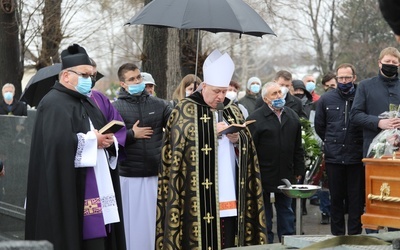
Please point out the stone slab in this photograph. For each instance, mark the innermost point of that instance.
(25, 245)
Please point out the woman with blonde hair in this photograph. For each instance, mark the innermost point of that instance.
(185, 88)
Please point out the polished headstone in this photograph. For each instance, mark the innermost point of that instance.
(15, 140)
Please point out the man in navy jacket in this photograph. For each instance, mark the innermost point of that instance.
(343, 152)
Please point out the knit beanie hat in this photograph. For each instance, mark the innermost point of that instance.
(253, 79)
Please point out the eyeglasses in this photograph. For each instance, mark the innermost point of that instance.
(132, 79)
(84, 75)
(344, 78)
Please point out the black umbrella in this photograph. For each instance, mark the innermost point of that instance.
(209, 15)
(40, 84)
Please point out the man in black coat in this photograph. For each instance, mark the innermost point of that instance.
(300, 91)
(145, 117)
(10, 105)
(374, 96)
(277, 137)
(73, 193)
(343, 152)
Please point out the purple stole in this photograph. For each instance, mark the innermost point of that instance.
(93, 222)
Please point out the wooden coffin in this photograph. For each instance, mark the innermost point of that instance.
(382, 185)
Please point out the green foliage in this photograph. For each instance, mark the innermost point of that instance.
(311, 146)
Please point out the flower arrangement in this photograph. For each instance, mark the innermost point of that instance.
(387, 142)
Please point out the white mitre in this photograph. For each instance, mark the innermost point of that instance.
(218, 69)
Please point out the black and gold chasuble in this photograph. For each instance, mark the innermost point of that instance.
(188, 201)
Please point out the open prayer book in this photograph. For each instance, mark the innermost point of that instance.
(233, 128)
(112, 127)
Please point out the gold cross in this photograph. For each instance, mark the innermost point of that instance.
(174, 218)
(176, 160)
(230, 119)
(196, 231)
(192, 131)
(205, 118)
(208, 218)
(194, 206)
(244, 149)
(206, 149)
(207, 183)
(193, 156)
(91, 205)
(190, 110)
(193, 181)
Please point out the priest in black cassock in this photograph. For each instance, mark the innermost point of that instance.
(73, 196)
(209, 187)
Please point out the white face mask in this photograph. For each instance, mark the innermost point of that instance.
(284, 90)
(231, 95)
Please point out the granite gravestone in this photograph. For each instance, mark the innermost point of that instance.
(15, 140)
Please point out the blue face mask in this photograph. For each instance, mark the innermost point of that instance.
(84, 85)
(345, 87)
(310, 86)
(255, 88)
(278, 103)
(8, 96)
(136, 88)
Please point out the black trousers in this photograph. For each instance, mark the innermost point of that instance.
(95, 244)
(346, 183)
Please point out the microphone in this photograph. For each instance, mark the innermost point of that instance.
(220, 109)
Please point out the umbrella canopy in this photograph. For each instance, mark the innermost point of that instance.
(209, 15)
(40, 84)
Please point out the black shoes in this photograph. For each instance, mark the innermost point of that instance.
(324, 218)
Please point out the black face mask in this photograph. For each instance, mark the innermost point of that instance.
(300, 95)
(389, 70)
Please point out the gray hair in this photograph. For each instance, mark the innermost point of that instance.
(8, 85)
(266, 86)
